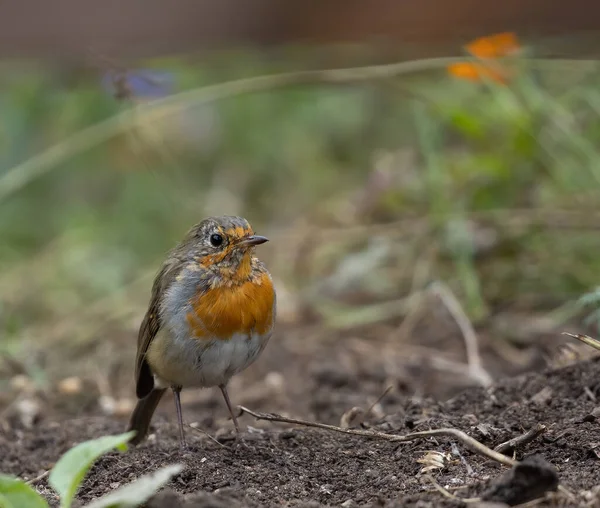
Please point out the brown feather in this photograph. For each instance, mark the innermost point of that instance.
(151, 325)
(142, 415)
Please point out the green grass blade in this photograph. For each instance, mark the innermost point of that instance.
(15, 493)
(139, 491)
(586, 339)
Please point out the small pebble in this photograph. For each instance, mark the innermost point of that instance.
(70, 385)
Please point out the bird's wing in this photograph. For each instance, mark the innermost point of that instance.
(151, 325)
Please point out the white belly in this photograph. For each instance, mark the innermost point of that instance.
(193, 362)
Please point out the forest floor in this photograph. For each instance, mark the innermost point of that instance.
(398, 385)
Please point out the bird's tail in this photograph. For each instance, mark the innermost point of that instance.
(142, 415)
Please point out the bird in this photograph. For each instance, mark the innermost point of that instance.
(211, 313)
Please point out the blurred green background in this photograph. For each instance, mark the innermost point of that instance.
(370, 190)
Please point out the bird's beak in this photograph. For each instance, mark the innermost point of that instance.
(251, 241)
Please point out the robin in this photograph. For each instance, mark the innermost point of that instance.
(210, 316)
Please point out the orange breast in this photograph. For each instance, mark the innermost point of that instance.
(224, 311)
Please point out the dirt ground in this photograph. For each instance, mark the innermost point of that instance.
(320, 375)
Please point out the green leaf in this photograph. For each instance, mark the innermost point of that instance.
(71, 468)
(468, 124)
(15, 493)
(591, 298)
(138, 491)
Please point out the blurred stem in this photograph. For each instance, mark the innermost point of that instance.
(443, 206)
(437, 182)
(564, 128)
(469, 278)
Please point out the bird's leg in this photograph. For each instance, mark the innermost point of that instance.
(176, 392)
(228, 402)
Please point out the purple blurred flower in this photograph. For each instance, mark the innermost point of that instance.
(140, 83)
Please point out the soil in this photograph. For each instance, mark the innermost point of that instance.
(310, 375)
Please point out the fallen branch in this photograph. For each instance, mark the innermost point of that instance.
(523, 439)
(465, 439)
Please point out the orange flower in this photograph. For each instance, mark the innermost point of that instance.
(477, 72)
(487, 49)
(494, 46)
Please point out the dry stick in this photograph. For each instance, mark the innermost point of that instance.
(366, 414)
(379, 399)
(202, 431)
(521, 440)
(466, 328)
(589, 393)
(467, 440)
(456, 451)
(446, 493)
(10, 406)
(586, 339)
(532, 503)
(38, 478)
(416, 310)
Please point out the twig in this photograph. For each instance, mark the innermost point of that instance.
(467, 440)
(416, 310)
(446, 493)
(533, 502)
(456, 368)
(358, 418)
(198, 429)
(589, 393)
(11, 405)
(38, 478)
(379, 399)
(456, 451)
(467, 330)
(586, 339)
(567, 492)
(521, 440)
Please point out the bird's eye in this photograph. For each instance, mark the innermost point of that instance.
(216, 240)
